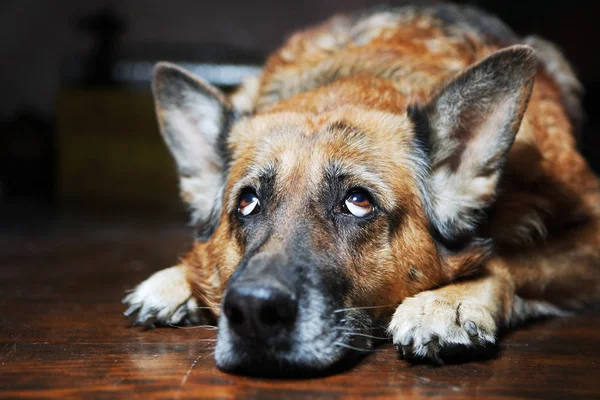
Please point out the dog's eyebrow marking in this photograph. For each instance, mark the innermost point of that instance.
(359, 175)
(266, 176)
(261, 178)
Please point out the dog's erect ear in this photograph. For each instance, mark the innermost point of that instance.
(468, 128)
(194, 119)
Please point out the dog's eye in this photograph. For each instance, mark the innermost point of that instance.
(249, 204)
(358, 204)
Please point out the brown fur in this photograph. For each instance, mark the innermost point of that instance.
(339, 92)
(544, 157)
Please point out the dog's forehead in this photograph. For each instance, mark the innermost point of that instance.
(374, 147)
(351, 129)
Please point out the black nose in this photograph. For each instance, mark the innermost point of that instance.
(259, 311)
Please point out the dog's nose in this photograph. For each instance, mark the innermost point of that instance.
(259, 311)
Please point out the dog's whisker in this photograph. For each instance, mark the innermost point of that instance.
(348, 329)
(357, 348)
(362, 308)
(355, 323)
(351, 329)
(355, 331)
(350, 334)
(207, 327)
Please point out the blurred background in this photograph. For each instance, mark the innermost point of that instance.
(77, 126)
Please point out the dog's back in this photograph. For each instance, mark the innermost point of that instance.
(415, 47)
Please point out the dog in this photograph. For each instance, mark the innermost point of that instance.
(413, 168)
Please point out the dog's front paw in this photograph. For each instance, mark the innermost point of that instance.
(430, 323)
(163, 299)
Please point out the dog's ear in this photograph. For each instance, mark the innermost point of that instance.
(194, 119)
(467, 128)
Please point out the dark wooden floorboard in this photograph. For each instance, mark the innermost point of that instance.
(62, 335)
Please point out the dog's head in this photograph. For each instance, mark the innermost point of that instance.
(321, 214)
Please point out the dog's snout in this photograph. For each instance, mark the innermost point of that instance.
(259, 311)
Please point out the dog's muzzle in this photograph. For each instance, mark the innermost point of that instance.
(278, 314)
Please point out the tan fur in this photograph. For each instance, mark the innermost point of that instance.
(339, 92)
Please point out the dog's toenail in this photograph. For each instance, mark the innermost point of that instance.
(471, 328)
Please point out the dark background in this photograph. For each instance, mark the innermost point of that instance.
(57, 89)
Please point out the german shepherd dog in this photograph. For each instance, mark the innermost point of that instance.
(411, 167)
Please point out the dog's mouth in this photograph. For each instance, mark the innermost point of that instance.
(261, 334)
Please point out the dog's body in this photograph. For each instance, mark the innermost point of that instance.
(374, 175)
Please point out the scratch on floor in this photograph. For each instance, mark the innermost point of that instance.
(187, 374)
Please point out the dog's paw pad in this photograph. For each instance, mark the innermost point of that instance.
(428, 325)
(163, 299)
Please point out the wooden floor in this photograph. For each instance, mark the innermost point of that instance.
(63, 335)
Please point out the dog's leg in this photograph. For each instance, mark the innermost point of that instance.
(546, 280)
(165, 298)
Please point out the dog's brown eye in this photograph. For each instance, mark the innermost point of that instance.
(249, 204)
(358, 204)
